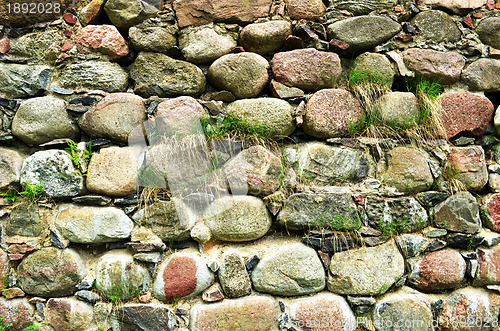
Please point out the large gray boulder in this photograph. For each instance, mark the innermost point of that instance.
(460, 213)
(266, 37)
(22, 80)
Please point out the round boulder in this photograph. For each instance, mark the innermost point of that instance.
(266, 37)
(399, 109)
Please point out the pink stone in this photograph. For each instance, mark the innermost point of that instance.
(305, 9)
(489, 266)
(212, 295)
(69, 18)
(441, 270)
(492, 206)
(15, 257)
(469, 165)
(68, 44)
(4, 45)
(443, 67)
(102, 38)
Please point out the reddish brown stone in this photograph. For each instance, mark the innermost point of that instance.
(489, 266)
(68, 314)
(4, 45)
(145, 298)
(212, 294)
(405, 38)
(68, 44)
(20, 248)
(359, 199)
(465, 112)
(490, 4)
(68, 33)
(179, 277)
(477, 15)
(497, 5)
(15, 257)
(37, 300)
(305, 9)
(13, 292)
(467, 22)
(16, 312)
(492, 206)
(293, 42)
(69, 18)
(63, 57)
(440, 270)
(444, 67)
(102, 38)
(470, 166)
(339, 44)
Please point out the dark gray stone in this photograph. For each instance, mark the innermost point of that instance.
(252, 262)
(488, 30)
(140, 317)
(21, 80)
(459, 213)
(88, 296)
(436, 26)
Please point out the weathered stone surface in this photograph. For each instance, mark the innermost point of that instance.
(10, 166)
(469, 166)
(436, 26)
(266, 37)
(233, 276)
(36, 48)
(206, 44)
(54, 170)
(442, 67)
(125, 13)
(326, 165)
(114, 117)
(320, 210)
(238, 218)
(438, 270)
(358, 7)
(488, 31)
(152, 38)
(11, 18)
(69, 314)
(489, 266)
(375, 271)
(51, 272)
(169, 220)
(408, 170)
(483, 75)
(307, 69)
(118, 277)
(113, 171)
(94, 75)
(17, 312)
(293, 270)
(412, 245)
(24, 220)
(274, 116)
(257, 311)
(147, 317)
(282, 91)
(303, 9)
(255, 170)
(158, 74)
(39, 120)
(402, 307)
(93, 225)
(181, 275)
(331, 113)
(374, 67)
(459, 212)
(404, 214)
(101, 38)
(492, 216)
(194, 12)
(323, 311)
(457, 7)
(179, 116)
(21, 80)
(90, 12)
(399, 109)
(465, 112)
(243, 74)
(362, 33)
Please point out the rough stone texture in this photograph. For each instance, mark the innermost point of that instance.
(459, 212)
(90, 12)
(37, 47)
(492, 205)
(113, 171)
(114, 117)
(179, 116)
(10, 166)
(320, 210)
(21, 80)
(17, 312)
(469, 166)
(303, 9)
(408, 170)
(326, 165)
(436, 26)
(438, 270)
(51, 272)
(323, 311)
(443, 67)
(293, 270)
(147, 317)
(233, 276)
(93, 225)
(195, 12)
(488, 31)
(158, 74)
(412, 245)
(331, 113)
(483, 75)
(266, 37)
(94, 75)
(374, 67)
(125, 13)
(362, 33)
(152, 38)
(457, 7)
(255, 170)
(237, 218)
(243, 74)
(362, 7)
(273, 116)
(403, 213)
(24, 220)
(307, 69)
(489, 266)
(465, 112)
(206, 44)
(375, 271)
(404, 305)
(39, 120)
(54, 170)
(169, 220)
(69, 314)
(257, 311)
(399, 109)
(101, 38)
(282, 91)
(118, 277)
(181, 275)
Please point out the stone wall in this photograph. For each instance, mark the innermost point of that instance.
(250, 165)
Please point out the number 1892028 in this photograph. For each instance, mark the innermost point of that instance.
(34, 8)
